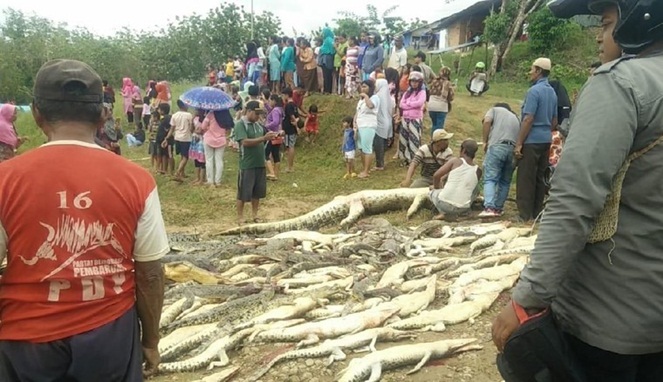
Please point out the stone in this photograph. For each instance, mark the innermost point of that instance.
(310, 362)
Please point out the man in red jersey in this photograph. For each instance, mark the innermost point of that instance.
(82, 246)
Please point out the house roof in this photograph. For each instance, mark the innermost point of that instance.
(479, 8)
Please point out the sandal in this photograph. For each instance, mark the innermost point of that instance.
(258, 220)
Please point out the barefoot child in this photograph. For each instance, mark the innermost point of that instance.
(312, 124)
(197, 150)
(349, 146)
(165, 144)
(152, 150)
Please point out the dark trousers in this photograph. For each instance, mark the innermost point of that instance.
(328, 79)
(604, 366)
(379, 145)
(530, 180)
(110, 353)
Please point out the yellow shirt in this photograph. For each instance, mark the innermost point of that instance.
(230, 69)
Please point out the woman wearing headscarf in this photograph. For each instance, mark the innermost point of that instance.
(326, 59)
(385, 127)
(163, 92)
(137, 103)
(441, 95)
(9, 139)
(310, 68)
(373, 55)
(251, 61)
(412, 107)
(127, 95)
(274, 56)
(288, 63)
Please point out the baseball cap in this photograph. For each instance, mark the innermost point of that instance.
(441, 135)
(254, 106)
(543, 63)
(68, 80)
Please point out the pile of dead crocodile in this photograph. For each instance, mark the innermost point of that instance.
(328, 294)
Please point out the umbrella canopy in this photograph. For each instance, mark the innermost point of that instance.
(207, 98)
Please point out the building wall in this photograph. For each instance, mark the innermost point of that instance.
(462, 31)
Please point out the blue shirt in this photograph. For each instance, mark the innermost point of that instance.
(349, 140)
(540, 102)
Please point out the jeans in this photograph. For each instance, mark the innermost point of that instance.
(438, 118)
(132, 141)
(498, 170)
(379, 144)
(531, 180)
(214, 163)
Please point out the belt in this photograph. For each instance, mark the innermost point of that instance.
(510, 143)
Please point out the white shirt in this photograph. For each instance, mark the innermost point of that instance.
(367, 117)
(460, 186)
(478, 82)
(398, 58)
(183, 122)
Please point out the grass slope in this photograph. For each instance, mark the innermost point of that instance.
(319, 167)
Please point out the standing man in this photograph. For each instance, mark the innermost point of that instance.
(500, 132)
(398, 57)
(82, 249)
(539, 118)
(181, 129)
(420, 61)
(431, 157)
(252, 177)
(597, 260)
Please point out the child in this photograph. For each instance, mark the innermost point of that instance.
(349, 146)
(230, 70)
(273, 148)
(147, 111)
(152, 150)
(136, 138)
(312, 124)
(165, 144)
(197, 150)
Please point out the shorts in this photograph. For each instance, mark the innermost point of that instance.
(182, 148)
(366, 137)
(290, 140)
(199, 164)
(349, 155)
(152, 149)
(251, 184)
(166, 152)
(313, 129)
(274, 151)
(82, 357)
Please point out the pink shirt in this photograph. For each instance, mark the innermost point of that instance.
(7, 132)
(412, 104)
(215, 135)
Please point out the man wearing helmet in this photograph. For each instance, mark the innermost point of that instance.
(597, 261)
(478, 81)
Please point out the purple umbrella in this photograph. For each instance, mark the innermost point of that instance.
(207, 98)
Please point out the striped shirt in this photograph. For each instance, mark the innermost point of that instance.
(431, 163)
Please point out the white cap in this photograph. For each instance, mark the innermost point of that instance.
(543, 63)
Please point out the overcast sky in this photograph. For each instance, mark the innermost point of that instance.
(105, 18)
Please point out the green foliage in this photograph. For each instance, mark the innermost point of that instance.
(548, 33)
(348, 26)
(353, 24)
(177, 52)
(498, 24)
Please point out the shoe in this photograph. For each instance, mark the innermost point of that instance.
(488, 213)
(353, 175)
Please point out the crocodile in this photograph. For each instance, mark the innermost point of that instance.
(217, 350)
(415, 301)
(373, 364)
(333, 348)
(311, 332)
(506, 236)
(183, 271)
(394, 274)
(170, 313)
(489, 261)
(217, 292)
(481, 287)
(174, 340)
(493, 273)
(347, 208)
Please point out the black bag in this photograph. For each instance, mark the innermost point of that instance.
(538, 352)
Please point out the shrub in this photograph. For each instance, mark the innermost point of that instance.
(548, 33)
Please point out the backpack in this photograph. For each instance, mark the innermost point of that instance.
(563, 101)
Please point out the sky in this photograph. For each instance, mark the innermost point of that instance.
(105, 18)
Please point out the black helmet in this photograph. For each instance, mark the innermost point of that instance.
(640, 21)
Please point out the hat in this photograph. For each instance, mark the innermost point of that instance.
(543, 63)
(416, 76)
(480, 65)
(254, 106)
(68, 80)
(441, 135)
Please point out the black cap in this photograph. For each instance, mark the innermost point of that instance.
(254, 106)
(68, 80)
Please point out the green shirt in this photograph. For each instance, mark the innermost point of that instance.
(340, 53)
(253, 156)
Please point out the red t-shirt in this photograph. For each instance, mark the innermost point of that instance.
(73, 219)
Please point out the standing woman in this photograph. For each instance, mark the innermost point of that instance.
(412, 107)
(274, 56)
(127, 95)
(373, 55)
(310, 68)
(137, 104)
(326, 59)
(215, 128)
(288, 63)
(392, 77)
(9, 139)
(298, 62)
(261, 67)
(385, 116)
(441, 96)
(251, 62)
(366, 120)
(275, 114)
(351, 68)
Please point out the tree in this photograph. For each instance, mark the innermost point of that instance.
(348, 26)
(382, 23)
(546, 32)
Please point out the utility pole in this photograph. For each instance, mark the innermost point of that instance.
(251, 20)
